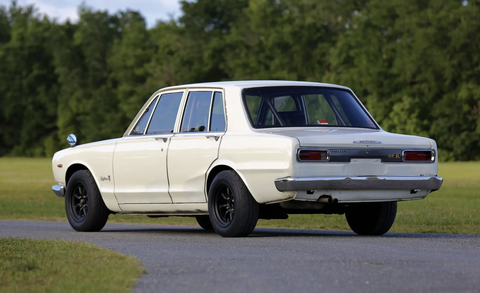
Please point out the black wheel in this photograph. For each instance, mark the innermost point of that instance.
(84, 205)
(204, 222)
(371, 218)
(233, 211)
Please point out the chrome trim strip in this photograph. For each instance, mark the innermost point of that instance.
(59, 190)
(360, 183)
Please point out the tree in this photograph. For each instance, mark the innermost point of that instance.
(87, 105)
(28, 88)
(130, 54)
(414, 63)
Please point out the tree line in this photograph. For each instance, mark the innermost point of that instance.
(415, 64)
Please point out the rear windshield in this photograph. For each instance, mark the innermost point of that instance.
(304, 106)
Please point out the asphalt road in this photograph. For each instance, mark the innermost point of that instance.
(188, 259)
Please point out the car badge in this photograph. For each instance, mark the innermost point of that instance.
(367, 141)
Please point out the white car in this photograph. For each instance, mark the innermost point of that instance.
(232, 152)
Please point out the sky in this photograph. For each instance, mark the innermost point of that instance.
(152, 10)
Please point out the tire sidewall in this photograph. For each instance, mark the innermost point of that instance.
(236, 227)
(84, 178)
(218, 183)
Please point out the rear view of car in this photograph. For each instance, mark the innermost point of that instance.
(344, 162)
(229, 153)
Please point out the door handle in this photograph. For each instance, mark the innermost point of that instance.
(162, 138)
(216, 137)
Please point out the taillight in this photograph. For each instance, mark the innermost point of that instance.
(313, 155)
(419, 156)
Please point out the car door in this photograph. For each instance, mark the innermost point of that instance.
(195, 147)
(140, 159)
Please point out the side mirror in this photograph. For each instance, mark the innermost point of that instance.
(72, 140)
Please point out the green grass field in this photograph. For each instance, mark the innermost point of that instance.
(25, 194)
(28, 265)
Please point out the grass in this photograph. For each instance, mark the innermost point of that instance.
(28, 265)
(25, 194)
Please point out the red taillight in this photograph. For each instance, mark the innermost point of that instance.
(313, 155)
(419, 156)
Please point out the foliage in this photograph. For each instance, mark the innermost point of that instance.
(415, 64)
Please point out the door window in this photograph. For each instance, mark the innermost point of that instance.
(139, 129)
(195, 118)
(217, 122)
(165, 114)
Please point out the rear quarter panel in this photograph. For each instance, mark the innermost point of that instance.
(259, 159)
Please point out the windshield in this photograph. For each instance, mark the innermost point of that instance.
(304, 106)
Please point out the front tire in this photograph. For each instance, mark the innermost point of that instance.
(371, 218)
(232, 210)
(84, 205)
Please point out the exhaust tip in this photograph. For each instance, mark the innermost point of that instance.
(327, 199)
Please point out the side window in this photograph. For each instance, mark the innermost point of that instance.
(139, 129)
(195, 118)
(253, 106)
(217, 122)
(163, 119)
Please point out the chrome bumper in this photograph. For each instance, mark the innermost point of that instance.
(358, 183)
(59, 190)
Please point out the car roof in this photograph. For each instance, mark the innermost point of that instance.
(254, 83)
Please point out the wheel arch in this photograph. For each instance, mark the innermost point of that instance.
(219, 168)
(214, 172)
(260, 198)
(72, 169)
(108, 198)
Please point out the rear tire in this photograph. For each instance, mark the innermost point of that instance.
(232, 210)
(204, 222)
(371, 218)
(84, 205)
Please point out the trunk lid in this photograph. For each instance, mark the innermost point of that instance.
(330, 137)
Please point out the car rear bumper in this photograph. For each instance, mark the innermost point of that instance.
(359, 183)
